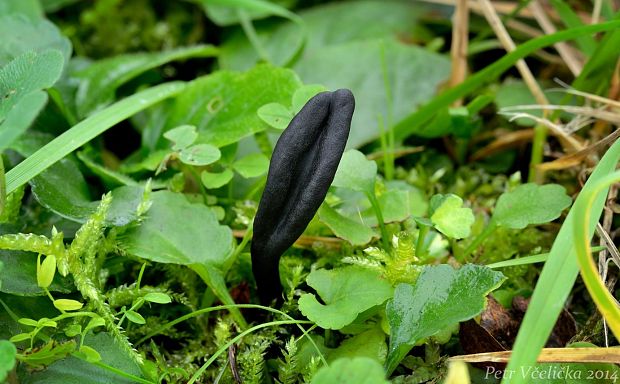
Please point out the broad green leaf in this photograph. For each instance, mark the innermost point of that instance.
(99, 81)
(450, 217)
(369, 344)
(157, 297)
(441, 297)
(75, 371)
(67, 304)
(414, 74)
(29, 8)
(304, 94)
(350, 230)
(21, 97)
(219, 106)
(109, 177)
(19, 275)
(63, 190)
(135, 317)
(346, 292)
(515, 92)
(530, 204)
(21, 35)
(359, 370)
(327, 25)
(253, 165)
(73, 330)
(7, 358)
(21, 117)
(395, 206)
(216, 180)
(85, 131)
(182, 136)
(276, 115)
(179, 232)
(356, 172)
(200, 154)
(226, 12)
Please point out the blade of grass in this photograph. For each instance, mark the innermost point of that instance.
(540, 258)
(86, 130)
(415, 122)
(557, 277)
(206, 365)
(586, 43)
(596, 286)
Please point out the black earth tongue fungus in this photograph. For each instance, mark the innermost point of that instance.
(302, 168)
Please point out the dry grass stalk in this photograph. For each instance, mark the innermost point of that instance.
(550, 355)
(569, 55)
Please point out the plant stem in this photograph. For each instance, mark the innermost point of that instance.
(250, 33)
(538, 146)
(377, 208)
(420, 247)
(490, 228)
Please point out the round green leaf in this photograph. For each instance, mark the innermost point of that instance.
(91, 355)
(356, 172)
(305, 93)
(276, 115)
(200, 154)
(182, 136)
(7, 358)
(530, 204)
(253, 165)
(450, 217)
(359, 370)
(73, 330)
(348, 229)
(216, 180)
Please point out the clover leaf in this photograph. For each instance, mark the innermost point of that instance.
(450, 217)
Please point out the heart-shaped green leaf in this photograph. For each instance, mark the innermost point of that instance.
(346, 292)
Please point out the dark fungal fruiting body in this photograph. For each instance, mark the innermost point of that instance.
(302, 168)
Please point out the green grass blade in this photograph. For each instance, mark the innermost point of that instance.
(415, 122)
(86, 130)
(557, 277)
(589, 271)
(586, 43)
(540, 258)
